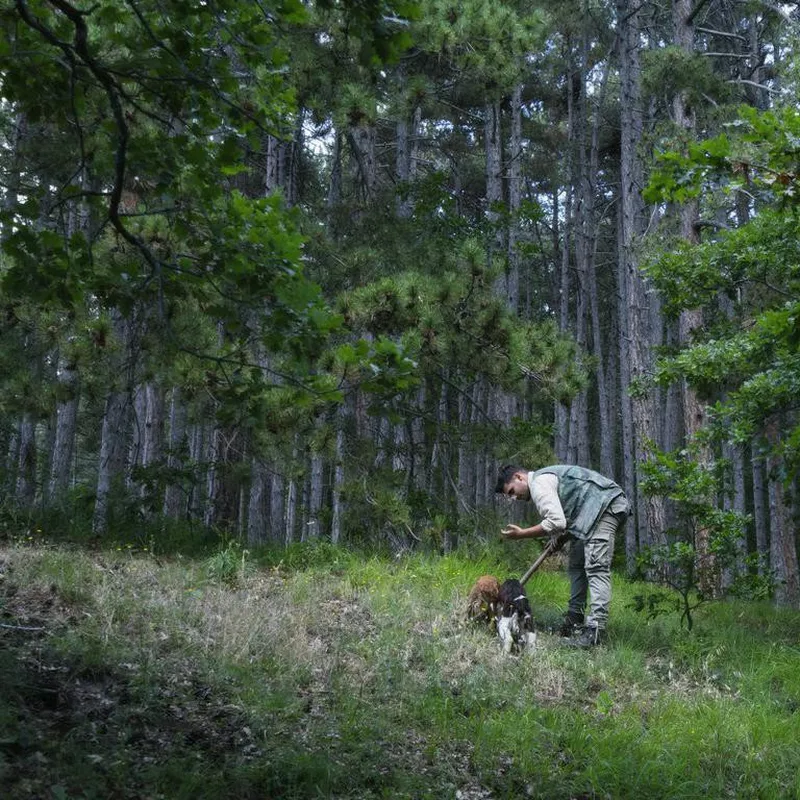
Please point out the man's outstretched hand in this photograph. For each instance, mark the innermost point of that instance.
(511, 532)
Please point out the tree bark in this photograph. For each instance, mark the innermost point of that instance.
(290, 520)
(113, 446)
(493, 144)
(174, 494)
(585, 143)
(691, 320)
(136, 449)
(362, 144)
(636, 335)
(514, 199)
(11, 195)
(783, 559)
(406, 133)
(313, 530)
(760, 508)
(562, 410)
(466, 458)
(212, 459)
(277, 507)
(115, 435)
(26, 465)
(335, 183)
(196, 498)
(257, 525)
(66, 424)
(338, 481)
(153, 443)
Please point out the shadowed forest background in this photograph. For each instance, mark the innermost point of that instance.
(283, 272)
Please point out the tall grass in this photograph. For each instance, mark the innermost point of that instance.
(321, 673)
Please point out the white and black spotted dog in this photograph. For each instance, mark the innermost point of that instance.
(514, 618)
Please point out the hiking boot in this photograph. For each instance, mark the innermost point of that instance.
(590, 636)
(572, 622)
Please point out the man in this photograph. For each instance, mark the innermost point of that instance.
(589, 508)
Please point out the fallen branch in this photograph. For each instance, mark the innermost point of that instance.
(26, 628)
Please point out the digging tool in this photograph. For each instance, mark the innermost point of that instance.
(551, 547)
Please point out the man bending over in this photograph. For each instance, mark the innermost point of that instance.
(589, 508)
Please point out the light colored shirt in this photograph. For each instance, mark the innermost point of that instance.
(544, 495)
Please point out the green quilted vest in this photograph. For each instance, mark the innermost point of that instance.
(584, 495)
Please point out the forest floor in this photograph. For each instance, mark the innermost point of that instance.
(123, 675)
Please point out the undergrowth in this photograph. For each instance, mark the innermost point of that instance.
(315, 672)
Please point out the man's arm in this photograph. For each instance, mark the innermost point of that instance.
(544, 495)
(516, 532)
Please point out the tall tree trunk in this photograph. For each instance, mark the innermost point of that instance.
(257, 525)
(26, 465)
(782, 546)
(338, 481)
(406, 135)
(436, 487)
(561, 408)
(313, 529)
(760, 508)
(335, 183)
(739, 501)
(362, 144)
(290, 520)
(212, 459)
(11, 465)
(674, 436)
(153, 442)
(480, 409)
(466, 473)
(65, 428)
(294, 152)
(174, 494)
(494, 166)
(514, 199)
(418, 439)
(402, 163)
(578, 446)
(607, 420)
(113, 446)
(11, 195)
(136, 448)
(493, 145)
(277, 507)
(692, 320)
(563, 416)
(502, 402)
(196, 440)
(115, 434)
(273, 153)
(637, 336)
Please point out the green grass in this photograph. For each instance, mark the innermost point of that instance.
(319, 673)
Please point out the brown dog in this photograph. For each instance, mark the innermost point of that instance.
(483, 601)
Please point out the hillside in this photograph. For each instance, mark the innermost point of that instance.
(336, 676)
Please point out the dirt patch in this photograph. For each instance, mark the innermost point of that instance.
(114, 723)
(109, 722)
(34, 607)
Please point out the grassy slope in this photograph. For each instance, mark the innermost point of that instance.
(349, 677)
